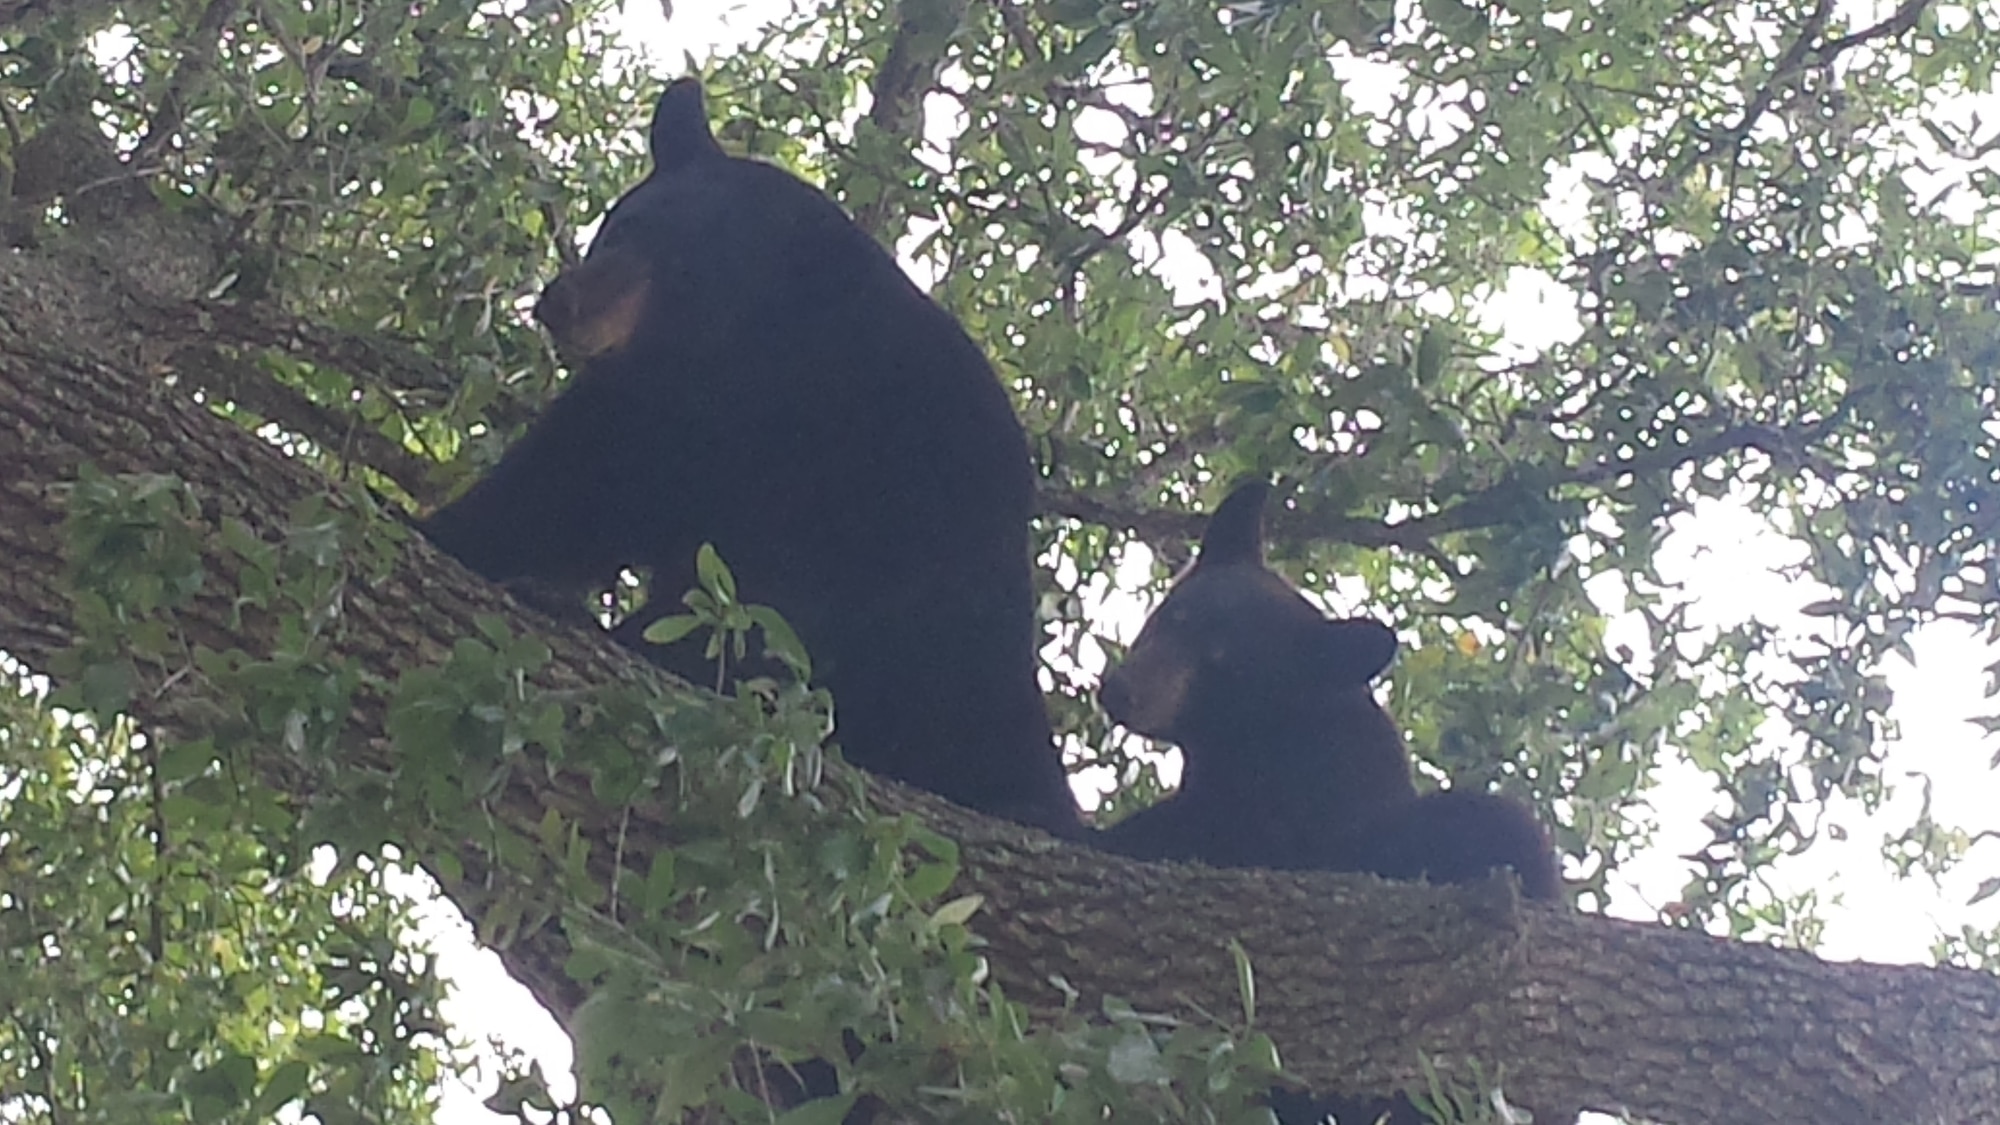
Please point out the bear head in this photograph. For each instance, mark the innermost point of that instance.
(1235, 647)
(700, 249)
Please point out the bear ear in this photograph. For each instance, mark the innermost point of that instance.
(1354, 650)
(680, 127)
(1236, 529)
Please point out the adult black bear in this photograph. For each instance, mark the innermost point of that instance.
(759, 374)
(1288, 761)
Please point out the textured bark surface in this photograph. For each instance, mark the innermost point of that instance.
(1354, 975)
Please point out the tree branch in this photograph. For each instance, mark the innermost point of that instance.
(908, 70)
(1790, 63)
(1807, 50)
(1900, 22)
(1357, 976)
(197, 50)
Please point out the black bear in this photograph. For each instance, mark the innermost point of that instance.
(1288, 760)
(757, 373)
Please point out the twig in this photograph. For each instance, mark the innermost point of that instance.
(200, 48)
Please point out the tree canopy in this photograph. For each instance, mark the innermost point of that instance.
(269, 270)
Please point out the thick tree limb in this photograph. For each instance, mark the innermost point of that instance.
(1355, 976)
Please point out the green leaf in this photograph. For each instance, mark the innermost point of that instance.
(780, 641)
(714, 575)
(930, 880)
(284, 1086)
(958, 911)
(107, 687)
(1135, 1060)
(667, 630)
(1246, 980)
(180, 761)
(660, 887)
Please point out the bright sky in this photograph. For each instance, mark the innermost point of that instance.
(1725, 556)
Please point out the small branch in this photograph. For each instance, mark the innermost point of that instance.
(1304, 525)
(1900, 22)
(911, 63)
(194, 338)
(1138, 205)
(1805, 52)
(199, 50)
(338, 433)
(909, 68)
(1022, 36)
(1497, 505)
(1793, 60)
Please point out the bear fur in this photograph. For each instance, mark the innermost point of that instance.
(755, 372)
(1288, 760)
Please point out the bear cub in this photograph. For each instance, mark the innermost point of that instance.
(1289, 762)
(754, 371)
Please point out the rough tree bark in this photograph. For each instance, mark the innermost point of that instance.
(1356, 975)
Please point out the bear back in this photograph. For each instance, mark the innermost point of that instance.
(1271, 703)
(753, 371)
(1288, 760)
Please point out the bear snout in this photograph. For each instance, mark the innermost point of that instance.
(1145, 695)
(1115, 696)
(598, 306)
(556, 308)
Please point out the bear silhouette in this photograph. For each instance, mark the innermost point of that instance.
(1288, 760)
(753, 371)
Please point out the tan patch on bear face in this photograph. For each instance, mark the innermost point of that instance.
(610, 329)
(596, 308)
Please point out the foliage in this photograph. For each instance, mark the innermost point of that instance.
(763, 912)
(173, 953)
(176, 947)
(1266, 238)
(1200, 240)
